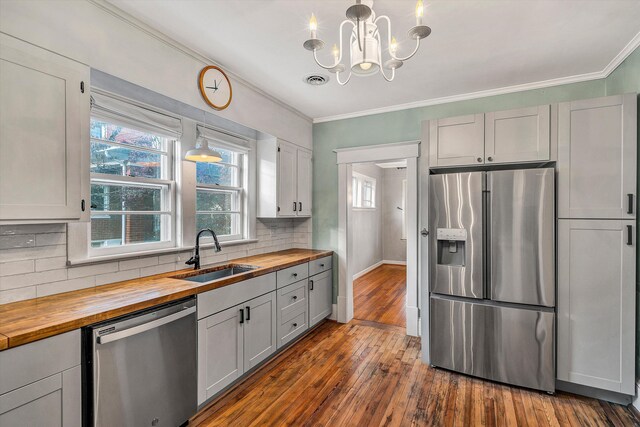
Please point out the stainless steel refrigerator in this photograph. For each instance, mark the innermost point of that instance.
(492, 274)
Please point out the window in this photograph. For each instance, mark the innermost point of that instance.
(220, 195)
(131, 189)
(364, 191)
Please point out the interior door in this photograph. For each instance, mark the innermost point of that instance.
(287, 186)
(597, 149)
(220, 352)
(522, 236)
(259, 329)
(304, 189)
(455, 211)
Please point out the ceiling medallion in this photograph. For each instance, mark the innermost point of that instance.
(365, 42)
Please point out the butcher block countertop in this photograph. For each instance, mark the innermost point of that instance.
(31, 320)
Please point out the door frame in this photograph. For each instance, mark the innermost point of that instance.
(346, 157)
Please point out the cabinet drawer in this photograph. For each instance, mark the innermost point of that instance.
(291, 329)
(32, 362)
(220, 299)
(291, 300)
(319, 265)
(292, 274)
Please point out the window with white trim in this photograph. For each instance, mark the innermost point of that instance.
(132, 189)
(364, 191)
(220, 195)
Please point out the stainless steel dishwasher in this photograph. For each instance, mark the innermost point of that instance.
(140, 370)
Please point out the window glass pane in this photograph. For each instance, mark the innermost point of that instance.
(215, 201)
(123, 135)
(222, 224)
(216, 174)
(116, 160)
(110, 197)
(122, 229)
(227, 156)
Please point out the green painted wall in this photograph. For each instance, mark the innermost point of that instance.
(405, 125)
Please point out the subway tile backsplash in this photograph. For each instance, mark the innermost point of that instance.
(33, 258)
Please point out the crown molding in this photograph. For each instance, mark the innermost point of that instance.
(141, 26)
(615, 62)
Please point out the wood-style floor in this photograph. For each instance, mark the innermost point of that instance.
(368, 374)
(379, 295)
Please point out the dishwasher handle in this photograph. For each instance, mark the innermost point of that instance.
(145, 326)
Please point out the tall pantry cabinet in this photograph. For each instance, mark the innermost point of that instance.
(597, 204)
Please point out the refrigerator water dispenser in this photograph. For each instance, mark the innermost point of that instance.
(451, 246)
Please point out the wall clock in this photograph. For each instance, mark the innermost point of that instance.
(215, 87)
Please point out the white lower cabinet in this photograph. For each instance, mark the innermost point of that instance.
(596, 303)
(40, 383)
(233, 341)
(320, 296)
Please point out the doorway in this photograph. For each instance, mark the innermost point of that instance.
(346, 158)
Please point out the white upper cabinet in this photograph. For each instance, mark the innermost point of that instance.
(520, 135)
(457, 141)
(284, 179)
(44, 128)
(597, 149)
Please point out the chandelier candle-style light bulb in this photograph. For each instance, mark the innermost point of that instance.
(313, 26)
(419, 12)
(368, 50)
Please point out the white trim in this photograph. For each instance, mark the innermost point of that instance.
(377, 153)
(636, 401)
(368, 269)
(136, 23)
(334, 312)
(615, 62)
(392, 262)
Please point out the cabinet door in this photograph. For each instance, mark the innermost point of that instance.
(259, 329)
(320, 296)
(220, 352)
(304, 182)
(287, 185)
(43, 118)
(52, 401)
(457, 141)
(596, 303)
(597, 148)
(520, 135)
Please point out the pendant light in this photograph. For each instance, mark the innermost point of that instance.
(203, 153)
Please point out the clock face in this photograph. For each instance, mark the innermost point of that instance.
(215, 87)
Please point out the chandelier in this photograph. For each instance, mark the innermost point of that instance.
(365, 42)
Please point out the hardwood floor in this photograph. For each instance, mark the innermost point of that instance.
(367, 374)
(379, 295)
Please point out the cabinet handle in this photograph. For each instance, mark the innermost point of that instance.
(300, 207)
(242, 315)
(295, 274)
(295, 297)
(490, 158)
(630, 207)
(82, 205)
(295, 325)
(479, 159)
(295, 205)
(248, 313)
(321, 265)
(629, 235)
(310, 285)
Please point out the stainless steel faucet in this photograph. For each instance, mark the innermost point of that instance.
(195, 259)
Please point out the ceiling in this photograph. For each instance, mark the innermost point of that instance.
(475, 46)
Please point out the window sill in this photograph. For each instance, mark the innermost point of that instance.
(142, 254)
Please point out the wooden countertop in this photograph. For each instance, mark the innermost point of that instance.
(31, 320)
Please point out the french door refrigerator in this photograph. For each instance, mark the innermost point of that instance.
(493, 275)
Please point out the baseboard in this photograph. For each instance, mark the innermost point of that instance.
(368, 269)
(636, 401)
(609, 396)
(334, 312)
(388, 261)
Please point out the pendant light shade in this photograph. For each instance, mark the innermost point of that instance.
(202, 153)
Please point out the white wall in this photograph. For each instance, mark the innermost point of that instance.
(393, 247)
(367, 225)
(90, 32)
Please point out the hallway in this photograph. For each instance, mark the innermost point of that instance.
(379, 295)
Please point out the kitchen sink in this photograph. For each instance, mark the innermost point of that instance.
(212, 274)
